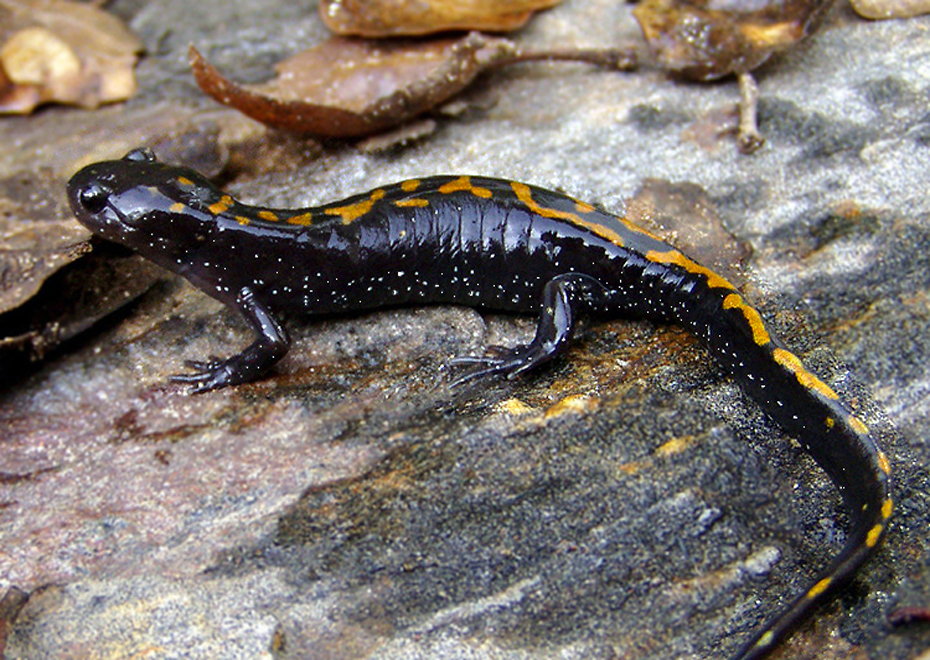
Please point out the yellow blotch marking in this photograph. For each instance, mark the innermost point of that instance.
(523, 193)
(464, 183)
(887, 507)
(675, 445)
(243, 220)
(632, 226)
(223, 205)
(766, 640)
(184, 181)
(583, 207)
(414, 201)
(759, 333)
(576, 403)
(177, 207)
(302, 219)
(819, 588)
(515, 407)
(883, 462)
(769, 35)
(791, 362)
(858, 425)
(714, 281)
(355, 211)
(631, 468)
(830, 422)
(873, 536)
(270, 216)
(410, 185)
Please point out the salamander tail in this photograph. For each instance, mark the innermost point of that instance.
(868, 530)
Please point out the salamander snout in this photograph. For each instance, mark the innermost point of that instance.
(101, 195)
(89, 197)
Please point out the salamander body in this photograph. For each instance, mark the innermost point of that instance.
(486, 243)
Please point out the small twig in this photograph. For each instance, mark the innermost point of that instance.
(748, 138)
(623, 59)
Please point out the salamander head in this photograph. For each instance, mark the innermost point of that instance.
(162, 212)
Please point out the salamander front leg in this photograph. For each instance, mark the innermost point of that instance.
(269, 347)
(564, 298)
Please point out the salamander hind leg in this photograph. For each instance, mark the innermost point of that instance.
(269, 346)
(564, 298)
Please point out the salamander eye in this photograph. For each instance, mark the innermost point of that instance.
(94, 197)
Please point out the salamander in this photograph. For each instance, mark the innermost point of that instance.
(492, 244)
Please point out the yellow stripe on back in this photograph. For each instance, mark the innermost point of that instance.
(352, 212)
(883, 462)
(790, 361)
(872, 538)
(820, 587)
(759, 333)
(858, 425)
(305, 218)
(525, 195)
(222, 205)
(583, 207)
(887, 507)
(413, 202)
(714, 281)
(463, 183)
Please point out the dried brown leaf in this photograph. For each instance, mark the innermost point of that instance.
(391, 18)
(354, 87)
(349, 88)
(63, 52)
(695, 41)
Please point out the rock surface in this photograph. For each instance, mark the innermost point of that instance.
(626, 502)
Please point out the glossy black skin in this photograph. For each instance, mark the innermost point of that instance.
(486, 243)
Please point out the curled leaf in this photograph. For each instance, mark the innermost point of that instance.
(391, 18)
(352, 87)
(63, 52)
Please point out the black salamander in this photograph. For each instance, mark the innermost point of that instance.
(487, 243)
